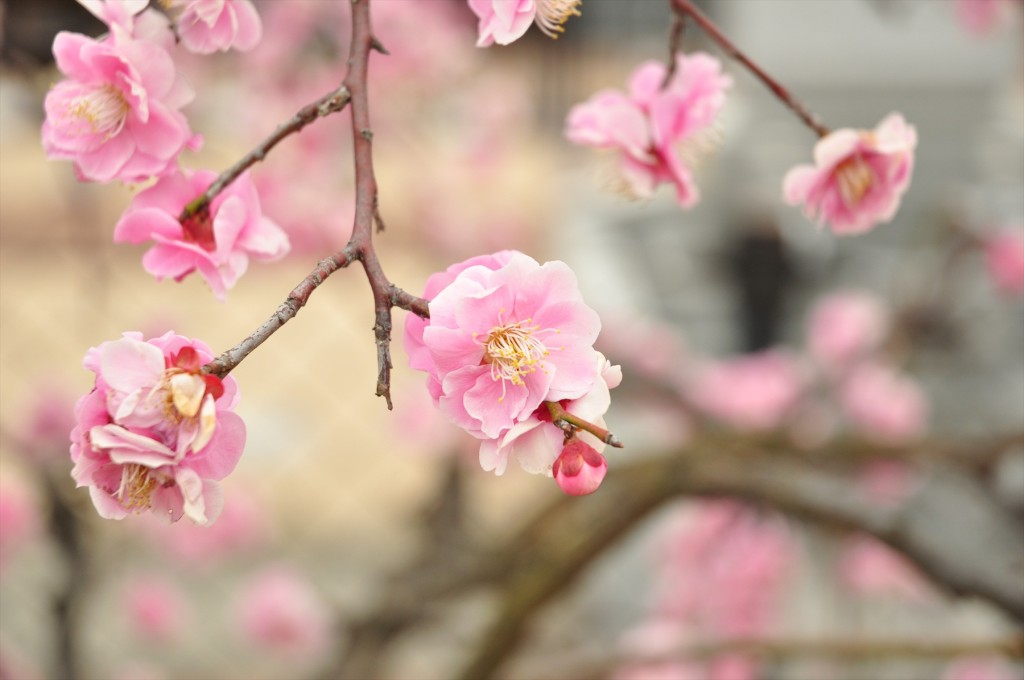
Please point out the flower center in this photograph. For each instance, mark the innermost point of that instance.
(551, 14)
(855, 177)
(513, 351)
(104, 108)
(136, 488)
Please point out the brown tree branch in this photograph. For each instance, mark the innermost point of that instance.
(686, 8)
(386, 295)
(332, 102)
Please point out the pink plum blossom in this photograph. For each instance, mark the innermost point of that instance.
(579, 469)
(504, 336)
(155, 608)
(650, 123)
(505, 21)
(887, 407)
(117, 115)
(207, 26)
(279, 611)
(535, 442)
(1004, 258)
(752, 392)
(980, 668)
(217, 242)
(857, 178)
(155, 433)
(846, 326)
(870, 567)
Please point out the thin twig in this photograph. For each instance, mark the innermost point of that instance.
(332, 102)
(386, 295)
(569, 422)
(295, 301)
(687, 8)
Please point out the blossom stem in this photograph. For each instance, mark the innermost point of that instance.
(686, 8)
(332, 102)
(570, 423)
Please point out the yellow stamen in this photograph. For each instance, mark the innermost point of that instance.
(855, 178)
(104, 109)
(136, 488)
(551, 14)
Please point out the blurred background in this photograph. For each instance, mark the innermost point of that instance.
(360, 543)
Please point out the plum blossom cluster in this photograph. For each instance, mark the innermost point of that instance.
(654, 123)
(156, 433)
(723, 573)
(857, 178)
(844, 371)
(508, 352)
(117, 117)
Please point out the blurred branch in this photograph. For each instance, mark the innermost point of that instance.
(596, 665)
(944, 527)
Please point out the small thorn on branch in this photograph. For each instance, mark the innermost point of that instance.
(379, 46)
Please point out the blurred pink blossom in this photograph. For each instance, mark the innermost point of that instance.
(42, 434)
(217, 243)
(155, 433)
(980, 668)
(870, 567)
(499, 341)
(857, 178)
(724, 570)
(1004, 257)
(19, 517)
(979, 16)
(207, 26)
(279, 611)
(650, 122)
(752, 392)
(505, 21)
(116, 116)
(242, 527)
(886, 406)
(155, 608)
(887, 482)
(846, 326)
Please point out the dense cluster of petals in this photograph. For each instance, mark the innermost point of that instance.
(216, 242)
(652, 123)
(857, 178)
(116, 116)
(505, 21)
(207, 26)
(155, 433)
(505, 335)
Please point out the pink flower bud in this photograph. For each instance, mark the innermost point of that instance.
(580, 469)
